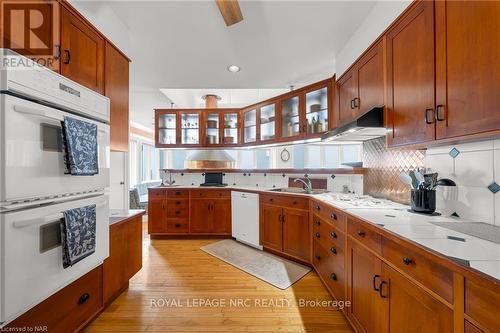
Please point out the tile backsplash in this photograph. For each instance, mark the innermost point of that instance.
(475, 167)
(335, 183)
(384, 166)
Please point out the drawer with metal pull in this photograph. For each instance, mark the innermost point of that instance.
(329, 213)
(423, 268)
(362, 232)
(178, 208)
(210, 193)
(328, 235)
(180, 225)
(331, 269)
(285, 200)
(172, 194)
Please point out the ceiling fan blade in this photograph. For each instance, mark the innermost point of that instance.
(230, 10)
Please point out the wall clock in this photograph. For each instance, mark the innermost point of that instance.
(285, 155)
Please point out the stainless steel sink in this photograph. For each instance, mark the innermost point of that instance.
(298, 190)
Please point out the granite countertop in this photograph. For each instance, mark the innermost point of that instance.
(479, 254)
(117, 215)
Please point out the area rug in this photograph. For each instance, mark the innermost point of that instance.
(272, 269)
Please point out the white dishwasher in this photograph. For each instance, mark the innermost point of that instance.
(245, 217)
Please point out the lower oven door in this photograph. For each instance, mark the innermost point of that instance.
(31, 254)
(32, 156)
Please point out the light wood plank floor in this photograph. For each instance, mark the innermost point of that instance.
(178, 269)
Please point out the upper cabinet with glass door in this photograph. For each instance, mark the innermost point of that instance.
(268, 122)
(166, 128)
(317, 111)
(231, 130)
(250, 126)
(290, 117)
(212, 128)
(190, 128)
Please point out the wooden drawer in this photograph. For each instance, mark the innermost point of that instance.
(422, 268)
(288, 201)
(69, 309)
(173, 194)
(482, 300)
(210, 193)
(177, 208)
(365, 235)
(333, 215)
(328, 235)
(159, 193)
(331, 270)
(178, 225)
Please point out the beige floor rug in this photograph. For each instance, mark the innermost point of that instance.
(272, 269)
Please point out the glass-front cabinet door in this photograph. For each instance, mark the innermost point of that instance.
(317, 111)
(250, 126)
(212, 128)
(231, 132)
(190, 128)
(268, 122)
(290, 117)
(166, 128)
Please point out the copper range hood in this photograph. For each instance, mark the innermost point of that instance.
(210, 159)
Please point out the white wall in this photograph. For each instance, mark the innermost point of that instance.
(476, 167)
(119, 179)
(380, 17)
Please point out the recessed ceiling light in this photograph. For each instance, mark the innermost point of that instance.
(233, 68)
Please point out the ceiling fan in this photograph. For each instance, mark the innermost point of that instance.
(230, 10)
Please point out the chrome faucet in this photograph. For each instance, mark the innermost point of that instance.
(307, 185)
(169, 182)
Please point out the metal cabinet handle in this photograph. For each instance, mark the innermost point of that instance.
(318, 257)
(317, 222)
(334, 216)
(380, 291)
(57, 55)
(177, 225)
(179, 193)
(356, 105)
(177, 202)
(333, 234)
(407, 261)
(333, 250)
(84, 298)
(177, 212)
(68, 57)
(317, 235)
(352, 104)
(318, 208)
(375, 278)
(361, 233)
(428, 117)
(439, 116)
(333, 276)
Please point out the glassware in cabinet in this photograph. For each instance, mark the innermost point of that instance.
(317, 111)
(212, 129)
(268, 122)
(167, 129)
(250, 126)
(290, 118)
(231, 129)
(190, 128)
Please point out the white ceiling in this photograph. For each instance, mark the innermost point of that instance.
(186, 45)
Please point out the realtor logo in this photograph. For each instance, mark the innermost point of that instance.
(30, 27)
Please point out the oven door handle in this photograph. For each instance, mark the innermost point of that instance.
(35, 112)
(45, 219)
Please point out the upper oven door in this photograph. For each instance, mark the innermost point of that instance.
(31, 154)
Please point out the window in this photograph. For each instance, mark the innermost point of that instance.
(133, 163)
(150, 163)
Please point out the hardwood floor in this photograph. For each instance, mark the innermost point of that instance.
(178, 270)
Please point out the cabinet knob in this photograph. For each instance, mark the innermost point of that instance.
(333, 250)
(177, 202)
(317, 235)
(318, 208)
(177, 212)
(361, 233)
(333, 276)
(318, 257)
(177, 225)
(333, 234)
(407, 261)
(177, 193)
(84, 298)
(317, 222)
(334, 216)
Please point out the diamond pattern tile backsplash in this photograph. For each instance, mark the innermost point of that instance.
(384, 166)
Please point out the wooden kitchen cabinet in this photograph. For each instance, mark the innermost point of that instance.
(125, 256)
(364, 278)
(82, 52)
(361, 88)
(409, 308)
(116, 88)
(467, 68)
(296, 241)
(283, 229)
(410, 77)
(156, 212)
(210, 216)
